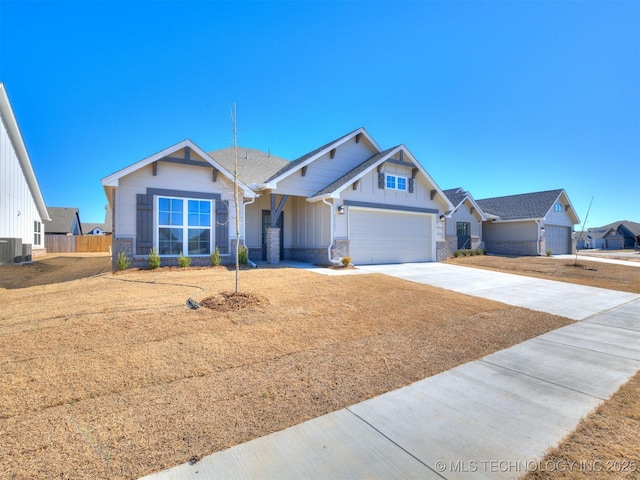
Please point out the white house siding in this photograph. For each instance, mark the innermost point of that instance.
(324, 170)
(253, 225)
(18, 210)
(463, 214)
(312, 227)
(170, 176)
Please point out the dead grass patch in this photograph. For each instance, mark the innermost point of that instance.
(606, 440)
(594, 274)
(113, 376)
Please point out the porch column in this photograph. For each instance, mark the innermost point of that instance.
(273, 245)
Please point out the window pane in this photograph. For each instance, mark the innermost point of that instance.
(199, 241)
(163, 218)
(402, 183)
(169, 241)
(163, 204)
(176, 218)
(391, 181)
(199, 213)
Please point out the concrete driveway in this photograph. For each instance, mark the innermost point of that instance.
(577, 302)
(493, 418)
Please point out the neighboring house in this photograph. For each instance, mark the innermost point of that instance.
(529, 224)
(93, 228)
(346, 198)
(463, 224)
(22, 208)
(614, 236)
(64, 221)
(99, 228)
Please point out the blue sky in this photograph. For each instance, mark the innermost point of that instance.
(497, 97)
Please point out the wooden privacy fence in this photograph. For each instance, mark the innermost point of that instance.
(77, 244)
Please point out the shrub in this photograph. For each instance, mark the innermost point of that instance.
(456, 253)
(214, 258)
(548, 252)
(184, 261)
(154, 259)
(479, 251)
(123, 262)
(472, 252)
(346, 261)
(243, 255)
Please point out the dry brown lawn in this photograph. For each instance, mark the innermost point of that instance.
(112, 376)
(605, 445)
(594, 274)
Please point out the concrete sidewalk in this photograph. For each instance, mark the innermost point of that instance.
(492, 418)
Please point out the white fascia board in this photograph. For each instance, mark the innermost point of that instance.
(112, 180)
(450, 205)
(336, 193)
(475, 205)
(273, 184)
(21, 151)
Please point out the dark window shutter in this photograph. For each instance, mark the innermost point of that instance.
(144, 224)
(222, 226)
(381, 180)
(411, 180)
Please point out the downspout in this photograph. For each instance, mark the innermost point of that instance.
(334, 262)
(538, 242)
(244, 229)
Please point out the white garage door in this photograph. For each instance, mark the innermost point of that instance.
(383, 236)
(558, 239)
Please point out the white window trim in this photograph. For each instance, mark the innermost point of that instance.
(38, 232)
(396, 177)
(185, 226)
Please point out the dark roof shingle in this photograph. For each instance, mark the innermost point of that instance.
(254, 166)
(522, 206)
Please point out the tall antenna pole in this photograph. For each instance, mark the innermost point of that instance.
(235, 194)
(575, 262)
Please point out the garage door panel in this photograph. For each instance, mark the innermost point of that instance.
(380, 236)
(558, 239)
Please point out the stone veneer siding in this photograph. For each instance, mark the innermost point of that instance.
(340, 249)
(273, 245)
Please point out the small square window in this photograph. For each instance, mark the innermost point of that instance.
(391, 181)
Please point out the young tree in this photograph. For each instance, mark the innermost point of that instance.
(235, 191)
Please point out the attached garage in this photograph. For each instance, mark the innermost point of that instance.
(558, 239)
(390, 236)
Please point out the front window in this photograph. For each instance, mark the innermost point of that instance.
(184, 226)
(37, 233)
(394, 182)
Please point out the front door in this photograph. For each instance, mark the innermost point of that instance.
(266, 222)
(463, 231)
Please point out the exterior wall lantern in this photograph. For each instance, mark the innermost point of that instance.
(341, 209)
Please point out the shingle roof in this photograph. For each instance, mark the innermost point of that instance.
(353, 173)
(254, 166)
(633, 227)
(61, 219)
(455, 195)
(307, 156)
(523, 206)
